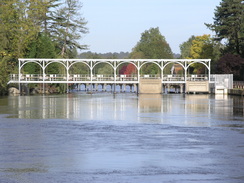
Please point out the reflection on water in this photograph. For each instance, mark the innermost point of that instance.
(150, 103)
(238, 106)
(185, 109)
(121, 138)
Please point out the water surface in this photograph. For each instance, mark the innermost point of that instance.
(121, 138)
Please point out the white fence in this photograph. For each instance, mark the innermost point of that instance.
(222, 80)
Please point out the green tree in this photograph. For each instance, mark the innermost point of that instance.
(42, 47)
(229, 25)
(152, 45)
(231, 64)
(68, 28)
(47, 16)
(17, 30)
(185, 48)
(104, 68)
(202, 47)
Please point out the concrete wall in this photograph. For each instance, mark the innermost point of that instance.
(150, 86)
(197, 86)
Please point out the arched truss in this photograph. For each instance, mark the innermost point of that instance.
(115, 63)
(85, 63)
(148, 62)
(106, 62)
(125, 62)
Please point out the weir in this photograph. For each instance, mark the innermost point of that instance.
(150, 86)
(142, 83)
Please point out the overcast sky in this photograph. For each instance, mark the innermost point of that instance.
(116, 25)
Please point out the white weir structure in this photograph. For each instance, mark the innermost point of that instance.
(215, 82)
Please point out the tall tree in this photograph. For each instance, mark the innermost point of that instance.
(229, 25)
(152, 45)
(47, 15)
(17, 30)
(68, 28)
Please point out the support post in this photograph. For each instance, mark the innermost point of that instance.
(135, 89)
(209, 71)
(162, 71)
(115, 79)
(185, 75)
(67, 79)
(181, 88)
(43, 76)
(19, 76)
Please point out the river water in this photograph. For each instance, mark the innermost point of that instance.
(121, 138)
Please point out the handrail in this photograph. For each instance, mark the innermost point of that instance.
(107, 77)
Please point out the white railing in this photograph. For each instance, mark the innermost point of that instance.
(102, 77)
(197, 77)
(71, 77)
(189, 77)
(174, 78)
(222, 80)
(150, 76)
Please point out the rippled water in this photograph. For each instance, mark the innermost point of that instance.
(121, 138)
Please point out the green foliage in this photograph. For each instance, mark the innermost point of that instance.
(79, 68)
(6, 66)
(229, 25)
(150, 69)
(16, 27)
(42, 47)
(103, 68)
(38, 29)
(152, 45)
(68, 28)
(4, 77)
(231, 64)
(89, 54)
(201, 47)
(185, 48)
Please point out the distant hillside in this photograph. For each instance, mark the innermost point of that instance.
(109, 55)
(176, 55)
(115, 55)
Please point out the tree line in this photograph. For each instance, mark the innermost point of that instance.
(52, 28)
(38, 29)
